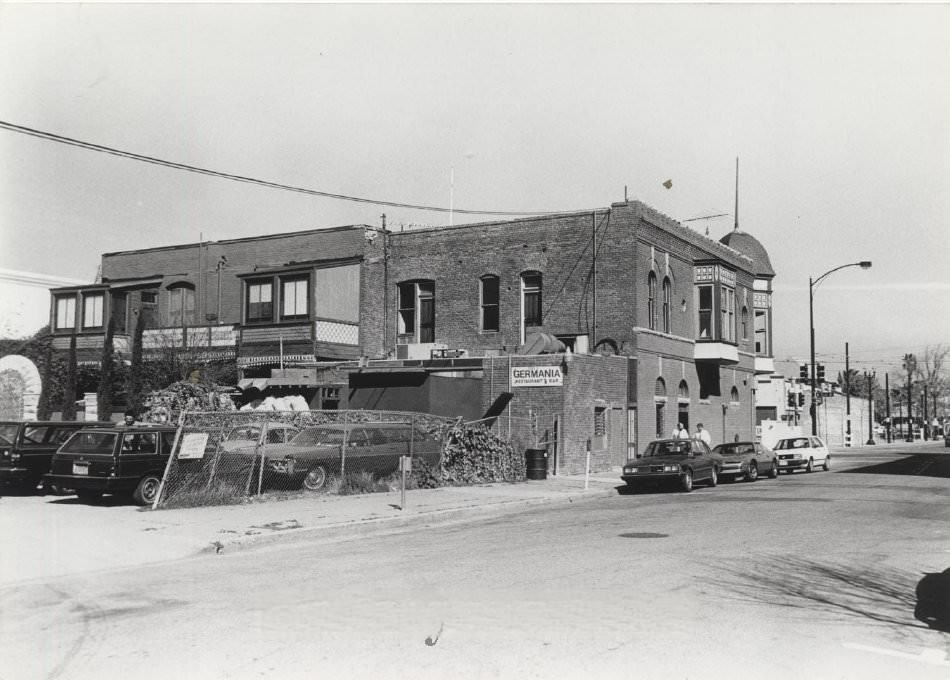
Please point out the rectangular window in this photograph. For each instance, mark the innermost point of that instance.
(416, 317)
(92, 310)
(426, 311)
(65, 312)
(490, 303)
(293, 297)
(260, 305)
(531, 292)
(761, 332)
(705, 312)
(407, 309)
(727, 302)
(120, 313)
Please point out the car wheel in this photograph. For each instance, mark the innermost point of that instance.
(316, 478)
(88, 496)
(147, 490)
(753, 473)
(773, 473)
(713, 476)
(827, 465)
(809, 467)
(686, 480)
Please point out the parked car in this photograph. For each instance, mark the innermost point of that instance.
(27, 448)
(249, 436)
(125, 460)
(683, 461)
(746, 460)
(323, 450)
(802, 453)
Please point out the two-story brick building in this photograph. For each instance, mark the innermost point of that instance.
(638, 321)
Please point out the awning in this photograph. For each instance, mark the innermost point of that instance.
(135, 283)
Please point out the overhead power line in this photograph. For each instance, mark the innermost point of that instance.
(89, 146)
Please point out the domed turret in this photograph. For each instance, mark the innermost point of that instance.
(749, 245)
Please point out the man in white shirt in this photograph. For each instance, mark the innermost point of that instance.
(680, 432)
(702, 434)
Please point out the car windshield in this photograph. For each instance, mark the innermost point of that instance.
(7, 434)
(90, 442)
(734, 449)
(797, 443)
(668, 448)
(316, 435)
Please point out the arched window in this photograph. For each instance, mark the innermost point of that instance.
(745, 323)
(734, 395)
(530, 301)
(659, 389)
(683, 391)
(667, 304)
(181, 304)
(659, 398)
(651, 301)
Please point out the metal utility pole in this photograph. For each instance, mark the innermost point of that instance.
(887, 407)
(910, 364)
(926, 421)
(847, 394)
(869, 378)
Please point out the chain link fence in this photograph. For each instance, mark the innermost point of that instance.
(225, 457)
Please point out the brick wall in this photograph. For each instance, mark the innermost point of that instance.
(588, 383)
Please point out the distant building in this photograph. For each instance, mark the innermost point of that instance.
(608, 327)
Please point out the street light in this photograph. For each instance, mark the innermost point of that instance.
(864, 264)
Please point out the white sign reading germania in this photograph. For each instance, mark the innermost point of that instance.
(536, 376)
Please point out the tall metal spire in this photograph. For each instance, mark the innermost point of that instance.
(736, 227)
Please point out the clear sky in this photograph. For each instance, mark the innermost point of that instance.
(840, 115)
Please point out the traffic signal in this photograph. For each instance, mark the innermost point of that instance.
(801, 398)
(821, 373)
(803, 372)
(791, 399)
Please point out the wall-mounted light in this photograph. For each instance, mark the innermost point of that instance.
(683, 306)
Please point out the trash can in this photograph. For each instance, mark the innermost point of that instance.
(536, 463)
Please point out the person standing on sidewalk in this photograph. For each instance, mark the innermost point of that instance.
(680, 432)
(702, 435)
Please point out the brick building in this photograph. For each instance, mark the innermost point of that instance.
(644, 322)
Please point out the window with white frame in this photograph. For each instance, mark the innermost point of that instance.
(65, 312)
(181, 305)
(92, 304)
(531, 299)
(489, 303)
(761, 321)
(705, 311)
(727, 303)
(259, 305)
(294, 296)
(416, 318)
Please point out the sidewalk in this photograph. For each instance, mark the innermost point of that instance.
(51, 537)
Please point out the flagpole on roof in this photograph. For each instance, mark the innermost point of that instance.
(736, 227)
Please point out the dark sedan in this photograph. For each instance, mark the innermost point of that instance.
(683, 461)
(747, 460)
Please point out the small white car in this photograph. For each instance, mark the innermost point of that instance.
(802, 453)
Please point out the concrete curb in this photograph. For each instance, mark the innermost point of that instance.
(370, 526)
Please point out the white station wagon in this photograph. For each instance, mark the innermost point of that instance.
(802, 453)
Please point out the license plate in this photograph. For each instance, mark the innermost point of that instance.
(80, 469)
(782, 463)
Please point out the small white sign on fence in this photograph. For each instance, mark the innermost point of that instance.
(193, 445)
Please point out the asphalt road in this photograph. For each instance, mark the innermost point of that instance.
(807, 576)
